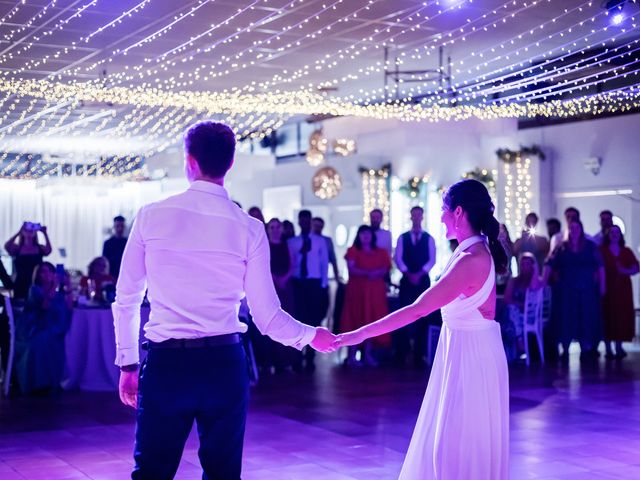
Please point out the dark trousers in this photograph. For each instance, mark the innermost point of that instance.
(416, 331)
(179, 385)
(312, 302)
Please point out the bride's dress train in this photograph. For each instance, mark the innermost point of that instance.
(462, 432)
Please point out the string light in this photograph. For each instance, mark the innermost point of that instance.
(117, 21)
(9, 36)
(26, 47)
(375, 192)
(517, 189)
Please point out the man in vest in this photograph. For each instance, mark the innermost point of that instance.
(415, 256)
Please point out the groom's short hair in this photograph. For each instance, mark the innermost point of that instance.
(212, 145)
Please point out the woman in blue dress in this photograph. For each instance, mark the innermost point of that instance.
(40, 332)
(577, 264)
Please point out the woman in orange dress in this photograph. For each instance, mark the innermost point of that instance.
(366, 293)
(617, 306)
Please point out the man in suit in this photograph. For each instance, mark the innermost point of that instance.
(415, 256)
(197, 253)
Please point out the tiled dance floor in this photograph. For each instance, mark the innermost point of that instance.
(567, 422)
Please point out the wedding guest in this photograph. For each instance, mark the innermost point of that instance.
(366, 293)
(532, 241)
(288, 230)
(310, 263)
(256, 213)
(554, 232)
(41, 331)
(113, 247)
(415, 256)
(281, 355)
(617, 305)
(503, 277)
(606, 222)
(577, 292)
(97, 278)
(317, 225)
(27, 253)
(516, 292)
(571, 214)
(5, 278)
(383, 237)
(5, 338)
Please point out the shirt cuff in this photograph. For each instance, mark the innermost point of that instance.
(127, 356)
(308, 335)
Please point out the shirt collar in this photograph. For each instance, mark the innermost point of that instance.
(209, 187)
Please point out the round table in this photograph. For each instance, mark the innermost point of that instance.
(90, 348)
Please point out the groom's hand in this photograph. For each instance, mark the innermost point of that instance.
(323, 341)
(128, 388)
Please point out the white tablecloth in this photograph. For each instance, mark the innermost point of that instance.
(90, 348)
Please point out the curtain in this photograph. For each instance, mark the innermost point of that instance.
(78, 212)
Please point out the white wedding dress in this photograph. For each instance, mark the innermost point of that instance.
(462, 431)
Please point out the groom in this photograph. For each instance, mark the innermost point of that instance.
(196, 254)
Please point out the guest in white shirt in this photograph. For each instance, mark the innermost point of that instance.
(606, 222)
(197, 253)
(310, 263)
(383, 237)
(415, 256)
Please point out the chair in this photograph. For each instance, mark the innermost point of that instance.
(533, 306)
(546, 304)
(6, 379)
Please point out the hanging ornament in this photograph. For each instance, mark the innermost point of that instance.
(344, 146)
(326, 183)
(317, 141)
(314, 157)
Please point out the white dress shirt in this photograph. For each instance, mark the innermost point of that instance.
(383, 240)
(197, 253)
(317, 258)
(400, 250)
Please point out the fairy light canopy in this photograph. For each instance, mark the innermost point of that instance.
(142, 70)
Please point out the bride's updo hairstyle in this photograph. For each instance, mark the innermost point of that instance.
(473, 197)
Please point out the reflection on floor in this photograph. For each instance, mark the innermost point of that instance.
(576, 421)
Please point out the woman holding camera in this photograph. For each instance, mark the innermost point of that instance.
(27, 253)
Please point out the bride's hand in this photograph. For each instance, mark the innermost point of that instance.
(348, 339)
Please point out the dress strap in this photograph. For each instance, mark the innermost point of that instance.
(466, 243)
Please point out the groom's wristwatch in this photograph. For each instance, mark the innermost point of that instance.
(129, 368)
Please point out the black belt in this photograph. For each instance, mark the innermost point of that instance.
(216, 341)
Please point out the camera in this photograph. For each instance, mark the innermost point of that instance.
(34, 227)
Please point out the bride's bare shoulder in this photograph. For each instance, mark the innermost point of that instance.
(475, 261)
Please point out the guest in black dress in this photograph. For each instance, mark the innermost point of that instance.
(281, 272)
(27, 254)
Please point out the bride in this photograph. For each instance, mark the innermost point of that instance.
(462, 431)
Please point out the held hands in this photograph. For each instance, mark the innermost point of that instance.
(348, 339)
(128, 388)
(323, 341)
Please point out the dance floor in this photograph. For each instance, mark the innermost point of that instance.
(580, 421)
